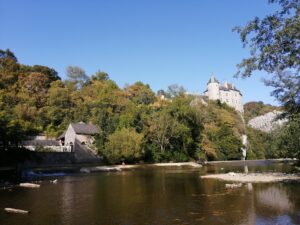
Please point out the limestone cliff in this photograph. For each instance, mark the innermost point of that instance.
(267, 122)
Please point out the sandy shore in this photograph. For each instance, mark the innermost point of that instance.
(253, 177)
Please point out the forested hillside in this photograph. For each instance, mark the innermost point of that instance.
(135, 123)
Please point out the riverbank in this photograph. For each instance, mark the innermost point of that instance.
(128, 167)
(26, 172)
(254, 161)
(253, 177)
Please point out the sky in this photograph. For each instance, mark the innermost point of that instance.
(158, 42)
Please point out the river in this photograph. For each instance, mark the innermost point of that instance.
(152, 195)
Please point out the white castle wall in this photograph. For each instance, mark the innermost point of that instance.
(213, 91)
(229, 96)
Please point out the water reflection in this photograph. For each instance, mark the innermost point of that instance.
(274, 198)
(154, 196)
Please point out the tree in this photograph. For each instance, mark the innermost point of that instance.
(140, 93)
(49, 72)
(35, 86)
(273, 40)
(9, 69)
(124, 144)
(77, 75)
(287, 91)
(228, 144)
(100, 76)
(162, 128)
(274, 48)
(175, 90)
(8, 54)
(289, 139)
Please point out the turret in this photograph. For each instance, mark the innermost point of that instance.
(213, 91)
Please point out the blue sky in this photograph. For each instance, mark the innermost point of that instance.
(158, 42)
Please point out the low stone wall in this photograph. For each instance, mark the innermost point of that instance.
(48, 158)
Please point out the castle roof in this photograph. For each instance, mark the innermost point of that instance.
(212, 80)
(228, 88)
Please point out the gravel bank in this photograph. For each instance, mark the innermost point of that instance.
(253, 177)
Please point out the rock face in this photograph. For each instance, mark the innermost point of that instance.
(267, 122)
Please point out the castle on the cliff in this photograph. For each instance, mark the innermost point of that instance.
(227, 93)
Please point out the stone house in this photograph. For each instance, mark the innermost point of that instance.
(79, 133)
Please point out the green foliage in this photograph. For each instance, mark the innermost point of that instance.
(135, 124)
(228, 145)
(289, 139)
(223, 128)
(273, 40)
(274, 48)
(140, 93)
(100, 76)
(124, 144)
(262, 145)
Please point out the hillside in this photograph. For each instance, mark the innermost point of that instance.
(262, 135)
(135, 123)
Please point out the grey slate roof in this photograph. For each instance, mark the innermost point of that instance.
(229, 88)
(82, 128)
(41, 143)
(212, 80)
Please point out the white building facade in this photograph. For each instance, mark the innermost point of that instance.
(227, 93)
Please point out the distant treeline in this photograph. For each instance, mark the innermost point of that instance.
(135, 123)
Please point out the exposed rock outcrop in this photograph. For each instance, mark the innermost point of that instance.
(267, 122)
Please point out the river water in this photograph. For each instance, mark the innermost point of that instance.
(149, 195)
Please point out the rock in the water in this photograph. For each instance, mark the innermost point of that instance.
(231, 174)
(19, 211)
(233, 185)
(53, 181)
(29, 185)
(84, 170)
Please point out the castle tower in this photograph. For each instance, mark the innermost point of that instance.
(226, 93)
(213, 88)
